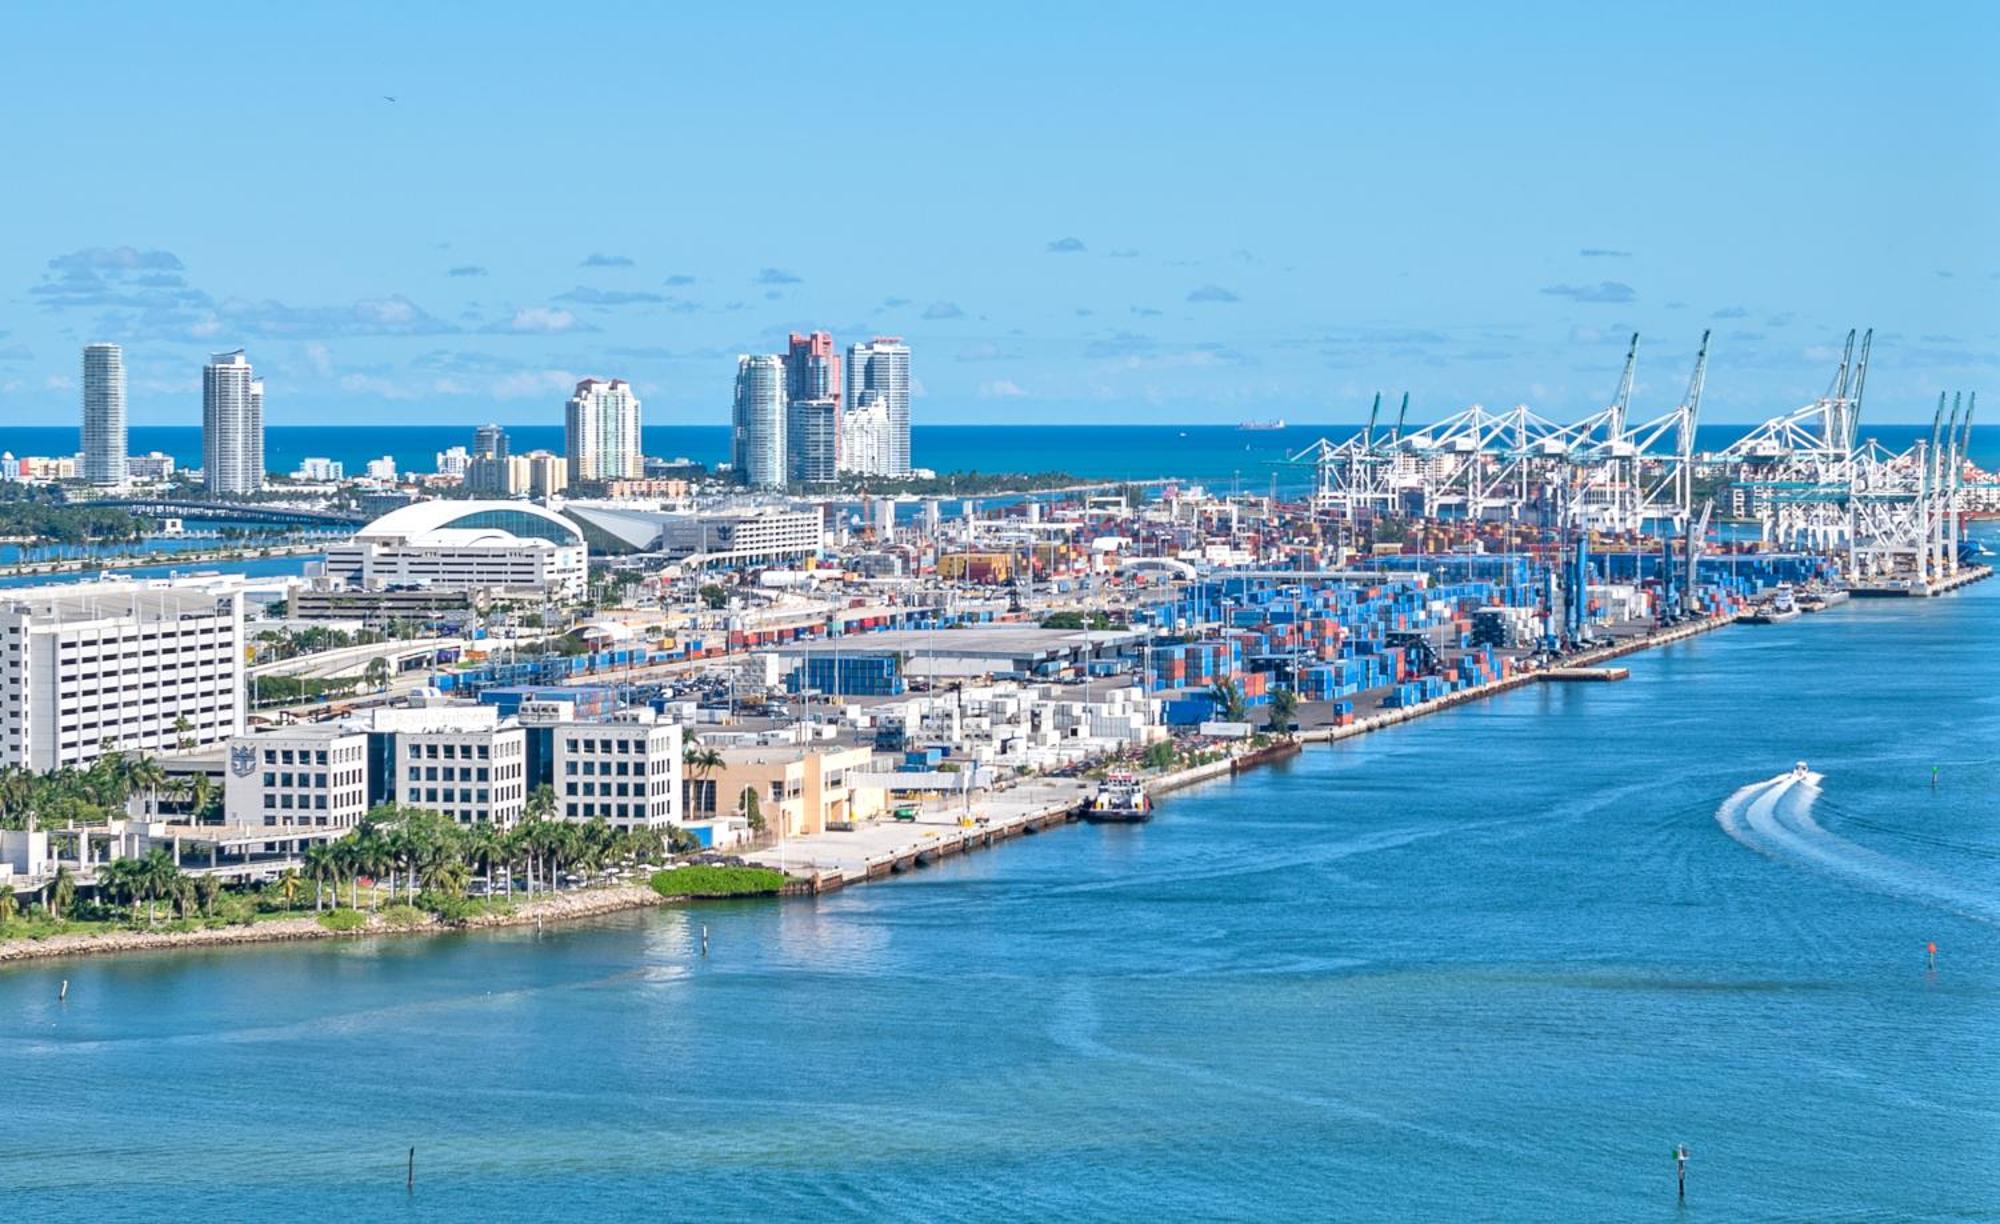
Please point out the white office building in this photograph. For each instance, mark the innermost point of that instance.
(625, 771)
(232, 425)
(465, 763)
(104, 414)
(601, 428)
(135, 667)
(307, 775)
(464, 545)
(757, 447)
(883, 364)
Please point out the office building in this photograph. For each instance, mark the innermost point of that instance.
(625, 771)
(135, 667)
(314, 774)
(812, 440)
(757, 448)
(104, 414)
(460, 545)
(883, 365)
(601, 431)
(489, 442)
(866, 437)
(232, 425)
(472, 767)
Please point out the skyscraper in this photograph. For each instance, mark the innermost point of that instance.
(104, 414)
(757, 442)
(812, 404)
(489, 442)
(865, 435)
(883, 365)
(812, 439)
(812, 368)
(601, 431)
(232, 425)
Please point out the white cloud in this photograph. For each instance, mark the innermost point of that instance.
(545, 320)
(1001, 388)
(321, 359)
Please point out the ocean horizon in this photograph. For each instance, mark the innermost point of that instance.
(1215, 454)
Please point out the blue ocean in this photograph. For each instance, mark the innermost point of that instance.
(1220, 456)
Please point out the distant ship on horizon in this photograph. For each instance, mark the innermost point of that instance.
(1261, 426)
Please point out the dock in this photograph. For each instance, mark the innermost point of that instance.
(1587, 673)
(826, 862)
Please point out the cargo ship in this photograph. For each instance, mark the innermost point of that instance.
(1121, 799)
(1262, 426)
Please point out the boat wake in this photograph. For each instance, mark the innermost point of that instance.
(1774, 818)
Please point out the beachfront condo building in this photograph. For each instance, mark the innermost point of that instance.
(867, 436)
(104, 415)
(232, 425)
(134, 667)
(601, 431)
(757, 437)
(625, 771)
(882, 365)
(812, 440)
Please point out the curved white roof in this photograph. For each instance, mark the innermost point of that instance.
(446, 521)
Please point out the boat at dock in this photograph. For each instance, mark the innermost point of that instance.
(1820, 599)
(1121, 799)
(1781, 607)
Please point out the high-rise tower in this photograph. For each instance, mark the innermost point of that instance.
(232, 425)
(883, 365)
(601, 428)
(104, 414)
(758, 423)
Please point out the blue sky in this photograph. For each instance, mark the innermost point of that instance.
(1141, 213)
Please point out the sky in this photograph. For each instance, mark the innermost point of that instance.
(1143, 213)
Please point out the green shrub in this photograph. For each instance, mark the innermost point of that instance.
(718, 882)
(400, 915)
(343, 920)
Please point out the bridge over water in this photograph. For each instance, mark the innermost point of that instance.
(234, 512)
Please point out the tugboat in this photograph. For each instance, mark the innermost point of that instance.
(1121, 799)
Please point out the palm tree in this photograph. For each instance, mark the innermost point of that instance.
(183, 734)
(62, 892)
(1228, 698)
(7, 905)
(699, 763)
(322, 868)
(377, 674)
(1284, 702)
(145, 775)
(289, 883)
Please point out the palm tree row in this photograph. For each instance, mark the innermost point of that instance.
(414, 851)
(71, 796)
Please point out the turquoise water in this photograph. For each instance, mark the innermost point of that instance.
(1490, 965)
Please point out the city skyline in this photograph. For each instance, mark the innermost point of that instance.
(1437, 216)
